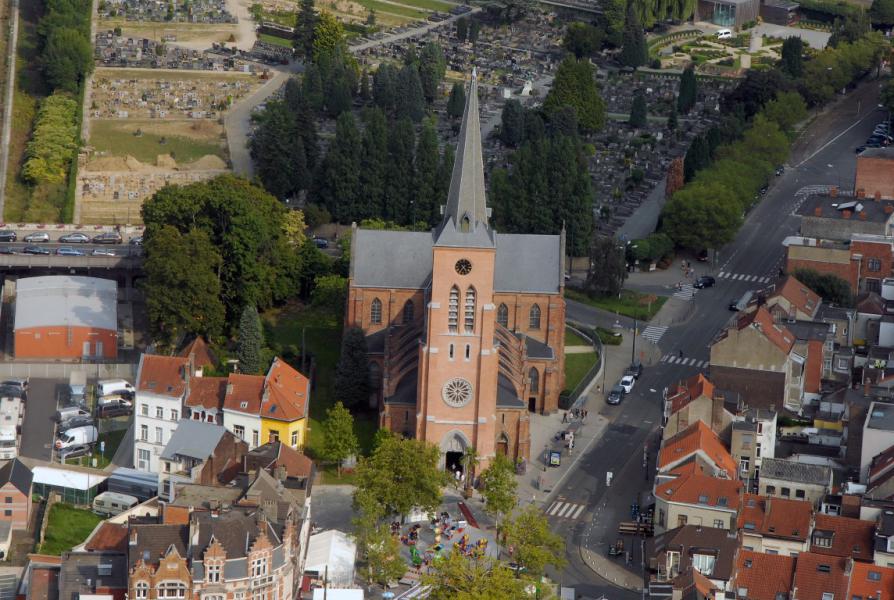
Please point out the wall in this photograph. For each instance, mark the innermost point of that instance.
(644, 219)
(166, 423)
(62, 370)
(838, 229)
(875, 174)
(19, 506)
(54, 342)
(812, 493)
(285, 430)
(695, 515)
(250, 424)
(832, 261)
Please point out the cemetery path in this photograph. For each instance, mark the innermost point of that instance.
(415, 31)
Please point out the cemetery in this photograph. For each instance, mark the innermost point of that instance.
(196, 11)
(112, 50)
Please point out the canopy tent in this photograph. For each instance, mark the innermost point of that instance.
(334, 550)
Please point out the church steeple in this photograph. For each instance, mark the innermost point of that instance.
(466, 203)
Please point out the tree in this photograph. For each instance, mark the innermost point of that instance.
(427, 203)
(535, 546)
(638, 112)
(634, 52)
(688, 93)
(462, 29)
(305, 30)
(614, 13)
(385, 87)
(498, 486)
(67, 59)
(182, 287)
(374, 164)
(279, 149)
(887, 95)
(608, 269)
(365, 89)
(787, 110)
(512, 10)
(512, 123)
(339, 440)
(882, 12)
(582, 39)
(474, 28)
(53, 142)
(698, 156)
(831, 288)
(401, 174)
(456, 104)
(250, 341)
(329, 35)
(575, 86)
(330, 293)
(339, 183)
(400, 475)
(383, 563)
(672, 118)
(792, 62)
(455, 577)
(432, 68)
(410, 102)
(293, 227)
(352, 372)
(702, 216)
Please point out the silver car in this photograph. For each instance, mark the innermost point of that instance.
(37, 236)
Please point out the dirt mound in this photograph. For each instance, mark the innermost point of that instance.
(165, 161)
(116, 163)
(209, 162)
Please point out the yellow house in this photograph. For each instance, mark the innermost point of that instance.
(284, 405)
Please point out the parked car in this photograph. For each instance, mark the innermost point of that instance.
(627, 382)
(635, 369)
(105, 411)
(74, 452)
(20, 385)
(79, 436)
(68, 251)
(37, 237)
(109, 237)
(75, 422)
(615, 395)
(115, 400)
(780, 170)
(110, 387)
(321, 243)
(8, 236)
(75, 238)
(7, 250)
(136, 241)
(724, 34)
(68, 413)
(702, 256)
(35, 250)
(103, 252)
(859, 149)
(705, 281)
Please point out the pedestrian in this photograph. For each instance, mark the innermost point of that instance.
(565, 417)
(681, 353)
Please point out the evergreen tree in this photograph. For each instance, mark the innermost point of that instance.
(512, 127)
(340, 181)
(401, 174)
(365, 91)
(474, 29)
(608, 269)
(535, 129)
(563, 122)
(374, 169)
(613, 15)
(457, 102)
(338, 100)
(582, 39)
(445, 170)
(634, 52)
(688, 90)
(312, 87)
(575, 86)
(792, 61)
(639, 112)
(672, 118)
(250, 341)
(432, 68)
(427, 157)
(305, 25)
(352, 372)
(339, 440)
(278, 151)
(698, 156)
(385, 87)
(410, 102)
(462, 29)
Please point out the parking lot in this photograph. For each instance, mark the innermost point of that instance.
(38, 426)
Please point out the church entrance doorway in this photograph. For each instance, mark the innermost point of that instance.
(454, 462)
(453, 446)
(503, 445)
(532, 404)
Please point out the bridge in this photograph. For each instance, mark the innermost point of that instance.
(126, 257)
(574, 5)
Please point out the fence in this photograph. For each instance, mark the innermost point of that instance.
(576, 398)
(62, 370)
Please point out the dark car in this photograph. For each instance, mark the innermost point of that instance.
(780, 170)
(705, 281)
(136, 241)
(702, 256)
(321, 243)
(635, 369)
(75, 422)
(109, 237)
(7, 250)
(74, 238)
(859, 149)
(74, 452)
(35, 250)
(8, 236)
(763, 190)
(112, 410)
(615, 395)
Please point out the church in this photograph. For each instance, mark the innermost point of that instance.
(464, 326)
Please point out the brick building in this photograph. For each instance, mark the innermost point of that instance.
(199, 453)
(875, 173)
(15, 491)
(464, 325)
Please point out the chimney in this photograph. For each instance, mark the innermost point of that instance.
(862, 215)
(861, 193)
(133, 537)
(846, 214)
(716, 410)
(877, 196)
(818, 211)
(833, 191)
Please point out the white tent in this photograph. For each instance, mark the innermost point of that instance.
(335, 550)
(351, 594)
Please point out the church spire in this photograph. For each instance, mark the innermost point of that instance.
(466, 205)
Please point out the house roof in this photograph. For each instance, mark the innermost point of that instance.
(851, 538)
(763, 576)
(798, 295)
(694, 487)
(244, 393)
(834, 207)
(83, 573)
(816, 574)
(66, 300)
(776, 517)
(690, 389)
(235, 529)
(776, 333)
(108, 537)
(287, 393)
(692, 539)
(206, 392)
(275, 454)
(697, 437)
(867, 580)
(153, 541)
(870, 303)
(789, 470)
(194, 439)
(880, 416)
(756, 389)
(162, 375)
(881, 463)
(201, 353)
(44, 583)
(18, 474)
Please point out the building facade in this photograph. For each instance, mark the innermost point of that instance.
(464, 325)
(162, 385)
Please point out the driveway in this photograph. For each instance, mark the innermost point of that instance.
(38, 426)
(815, 39)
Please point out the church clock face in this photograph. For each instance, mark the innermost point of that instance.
(457, 392)
(463, 266)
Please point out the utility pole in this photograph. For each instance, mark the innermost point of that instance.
(633, 349)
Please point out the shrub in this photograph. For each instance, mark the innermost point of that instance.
(54, 141)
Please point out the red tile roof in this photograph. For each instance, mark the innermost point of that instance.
(697, 488)
(297, 464)
(244, 393)
(110, 537)
(201, 353)
(867, 580)
(763, 576)
(799, 295)
(816, 574)
(162, 375)
(775, 333)
(287, 393)
(690, 389)
(775, 517)
(851, 538)
(206, 392)
(813, 369)
(44, 584)
(881, 463)
(697, 437)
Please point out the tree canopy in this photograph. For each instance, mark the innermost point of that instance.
(583, 39)
(831, 288)
(352, 372)
(339, 440)
(634, 52)
(250, 341)
(575, 86)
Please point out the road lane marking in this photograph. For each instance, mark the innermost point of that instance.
(554, 508)
(577, 512)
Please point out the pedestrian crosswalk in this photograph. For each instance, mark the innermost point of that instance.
(743, 277)
(676, 359)
(653, 333)
(685, 292)
(565, 510)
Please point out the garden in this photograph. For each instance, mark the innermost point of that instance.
(67, 527)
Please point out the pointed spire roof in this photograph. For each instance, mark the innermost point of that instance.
(466, 197)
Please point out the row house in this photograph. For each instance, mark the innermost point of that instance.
(775, 525)
(697, 443)
(200, 453)
(696, 399)
(694, 497)
(753, 439)
(796, 480)
(677, 558)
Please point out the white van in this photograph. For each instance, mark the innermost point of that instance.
(110, 504)
(77, 436)
(114, 399)
(724, 34)
(66, 413)
(109, 387)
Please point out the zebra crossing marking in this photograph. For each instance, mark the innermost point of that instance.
(674, 359)
(742, 277)
(653, 333)
(565, 510)
(686, 292)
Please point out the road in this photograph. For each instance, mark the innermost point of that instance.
(824, 156)
(38, 425)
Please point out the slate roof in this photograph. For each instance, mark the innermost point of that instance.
(18, 474)
(274, 454)
(162, 375)
(759, 389)
(153, 541)
(405, 392)
(690, 538)
(787, 470)
(881, 416)
(81, 575)
(537, 349)
(851, 538)
(764, 576)
(808, 330)
(507, 397)
(235, 529)
(193, 439)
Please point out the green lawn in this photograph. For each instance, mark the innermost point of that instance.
(394, 9)
(323, 337)
(67, 527)
(573, 339)
(429, 4)
(112, 440)
(576, 366)
(109, 136)
(272, 39)
(631, 304)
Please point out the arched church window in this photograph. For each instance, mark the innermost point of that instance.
(408, 312)
(503, 315)
(534, 320)
(470, 310)
(534, 379)
(375, 312)
(453, 310)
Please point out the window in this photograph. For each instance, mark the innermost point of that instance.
(294, 439)
(534, 379)
(744, 464)
(469, 319)
(661, 517)
(158, 435)
(144, 410)
(159, 412)
(144, 433)
(143, 460)
(842, 364)
(874, 265)
(273, 435)
(171, 589)
(771, 489)
(141, 590)
(757, 450)
(703, 563)
(167, 466)
(453, 310)
(681, 520)
(503, 315)
(409, 308)
(785, 492)
(8, 500)
(875, 576)
(822, 540)
(534, 317)
(213, 572)
(375, 312)
(799, 494)
(468, 351)
(239, 431)
(175, 415)
(450, 352)
(873, 285)
(254, 437)
(259, 567)
(828, 596)
(703, 499)
(7, 513)
(718, 523)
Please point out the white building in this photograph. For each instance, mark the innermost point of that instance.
(878, 435)
(162, 385)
